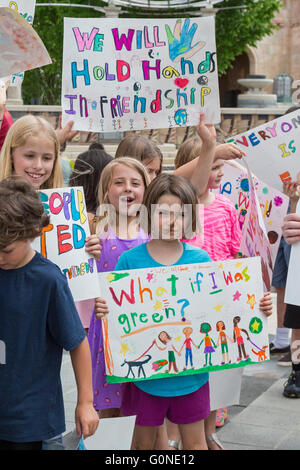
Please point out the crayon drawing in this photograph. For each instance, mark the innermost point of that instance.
(217, 331)
(133, 74)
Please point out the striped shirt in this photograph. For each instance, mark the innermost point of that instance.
(221, 236)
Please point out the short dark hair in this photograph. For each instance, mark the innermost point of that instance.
(96, 146)
(87, 172)
(22, 213)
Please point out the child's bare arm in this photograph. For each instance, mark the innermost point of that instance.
(197, 171)
(86, 418)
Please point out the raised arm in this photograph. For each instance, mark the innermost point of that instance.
(197, 171)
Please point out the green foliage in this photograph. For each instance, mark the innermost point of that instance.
(236, 29)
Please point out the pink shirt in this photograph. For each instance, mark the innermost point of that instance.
(222, 235)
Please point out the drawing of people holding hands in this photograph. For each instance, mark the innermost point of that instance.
(188, 347)
(208, 341)
(223, 339)
(167, 341)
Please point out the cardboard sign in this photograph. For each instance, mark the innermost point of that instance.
(126, 74)
(63, 241)
(18, 40)
(25, 8)
(272, 149)
(180, 320)
(273, 203)
(292, 292)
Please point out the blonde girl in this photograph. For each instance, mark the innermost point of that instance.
(121, 191)
(31, 150)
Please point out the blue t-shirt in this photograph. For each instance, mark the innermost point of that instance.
(139, 258)
(38, 319)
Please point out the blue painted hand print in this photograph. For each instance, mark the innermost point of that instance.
(180, 41)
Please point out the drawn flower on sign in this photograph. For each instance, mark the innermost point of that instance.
(278, 201)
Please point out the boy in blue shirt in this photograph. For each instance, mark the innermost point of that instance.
(38, 319)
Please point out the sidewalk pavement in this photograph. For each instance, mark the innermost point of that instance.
(264, 419)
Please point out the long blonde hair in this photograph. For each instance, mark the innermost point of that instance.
(104, 221)
(25, 127)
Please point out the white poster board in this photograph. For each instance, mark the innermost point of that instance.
(273, 149)
(157, 313)
(127, 74)
(63, 240)
(292, 291)
(273, 204)
(25, 8)
(255, 241)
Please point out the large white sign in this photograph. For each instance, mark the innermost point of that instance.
(273, 149)
(125, 74)
(181, 320)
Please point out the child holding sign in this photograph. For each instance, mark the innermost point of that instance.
(121, 191)
(184, 400)
(31, 151)
(221, 238)
(38, 320)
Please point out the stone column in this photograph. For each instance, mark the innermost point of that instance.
(112, 11)
(207, 11)
(14, 95)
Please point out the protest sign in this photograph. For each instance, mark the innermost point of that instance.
(255, 241)
(18, 40)
(63, 240)
(272, 149)
(292, 292)
(273, 204)
(181, 320)
(25, 8)
(127, 74)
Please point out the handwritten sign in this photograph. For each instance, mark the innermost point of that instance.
(273, 203)
(18, 40)
(292, 294)
(25, 8)
(63, 241)
(181, 320)
(130, 74)
(254, 237)
(272, 149)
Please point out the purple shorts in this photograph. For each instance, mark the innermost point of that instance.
(151, 410)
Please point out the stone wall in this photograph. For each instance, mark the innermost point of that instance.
(280, 52)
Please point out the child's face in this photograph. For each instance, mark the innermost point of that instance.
(216, 174)
(168, 218)
(16, 255)
(35, 159)
(126, 189)
(153, 166)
